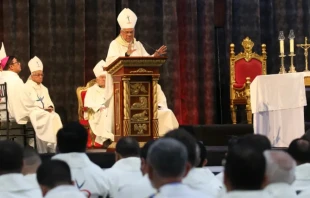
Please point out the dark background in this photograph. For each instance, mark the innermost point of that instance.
(71, 36)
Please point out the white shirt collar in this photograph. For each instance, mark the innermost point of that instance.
(128, 164)
(15, 182)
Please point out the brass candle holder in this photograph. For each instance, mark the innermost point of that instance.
(305, 46)
(282, 68)
(292, 67)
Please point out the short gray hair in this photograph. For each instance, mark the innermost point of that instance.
(168, 157)
(280, 167)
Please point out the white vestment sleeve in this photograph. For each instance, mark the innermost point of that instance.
(19, 101)
(47, 99)
(142, 49)
(89, 100)
(114, 52)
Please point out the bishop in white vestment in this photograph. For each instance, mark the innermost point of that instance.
(126, 45)
(41, 98)
(99, 100)
(21, 106)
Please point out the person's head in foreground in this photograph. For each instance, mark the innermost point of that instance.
(280, 167)
(202, 154)
(299, 149)
(72, 138)
(53, 173)
(188, 141)
(258, 142)
(244, 168)
(167, 162)
(32, 161)
(11, 157)
(143, 155)
(127, 147)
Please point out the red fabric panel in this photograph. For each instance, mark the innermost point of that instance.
(244, 69)
(238, 85)
(84, 122)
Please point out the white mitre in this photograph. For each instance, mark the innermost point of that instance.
(127, 19)
(35, 64)
(2, 52)
(98, 69)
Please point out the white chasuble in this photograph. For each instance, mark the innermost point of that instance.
(40, 96)
(101, 119)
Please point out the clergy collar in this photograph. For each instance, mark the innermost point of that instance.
(34, 84)
(122, 42)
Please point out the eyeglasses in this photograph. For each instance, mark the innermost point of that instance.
(38, 75)
(17, 62)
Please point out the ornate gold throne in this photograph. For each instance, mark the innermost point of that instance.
(81, 92)
(244, 67)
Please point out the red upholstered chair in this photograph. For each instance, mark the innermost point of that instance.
(81, 92)
(244, 67)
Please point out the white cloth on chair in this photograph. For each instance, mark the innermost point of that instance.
(277, 103)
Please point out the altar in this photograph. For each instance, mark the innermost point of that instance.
(277, 102)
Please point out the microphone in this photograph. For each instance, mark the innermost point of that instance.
(151, 47)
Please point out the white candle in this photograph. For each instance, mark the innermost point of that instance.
(281, 46)
(292, 45)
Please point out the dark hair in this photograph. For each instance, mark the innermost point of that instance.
(168, 158)
(245, 167)
(7, 65)
(202, 153)
(54, 172)
(11, 157)
(256, 141)
(145, 149)
(306, 136)
(72, 138)
(128, 147)
(299, 149)
(189, 142)
(31, 156)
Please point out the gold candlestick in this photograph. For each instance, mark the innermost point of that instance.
(282, 68)
(305, 46)
(292, 67)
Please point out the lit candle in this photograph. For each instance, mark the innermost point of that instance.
(281, 46)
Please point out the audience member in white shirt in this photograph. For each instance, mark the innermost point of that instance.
(244, 174)
(167, 164)
(143, 187)
(193, 179)
(88, 177)
(12, 182)
(55, 181)
(126, 168)
(299, 149)
(200, 177)
(280, 173)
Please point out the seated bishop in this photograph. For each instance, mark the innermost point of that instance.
(99, 101)
(40, 96)
(22, 105)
